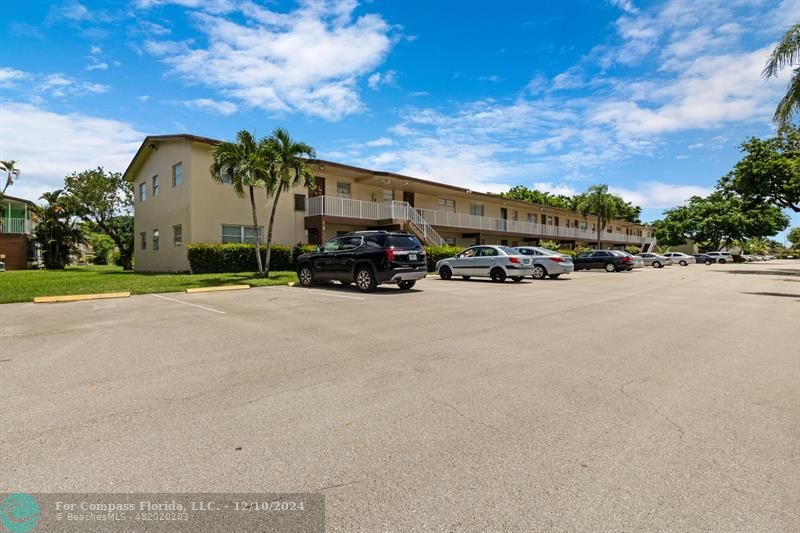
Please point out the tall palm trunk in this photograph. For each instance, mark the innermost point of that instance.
(599, 231)
(255, 230)
(269, 228)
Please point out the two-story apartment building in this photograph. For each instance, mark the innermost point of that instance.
(16, 226)
(177, 202)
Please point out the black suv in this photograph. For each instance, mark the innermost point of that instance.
(366, 258)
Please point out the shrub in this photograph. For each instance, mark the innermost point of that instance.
(550, 245)
(208, 257)
(565, 251)
(437, 253)
(633, 250)
(103, 247)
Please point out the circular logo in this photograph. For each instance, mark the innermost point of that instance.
(19, 513)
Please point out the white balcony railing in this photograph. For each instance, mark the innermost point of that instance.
(15, 225)
(425, 218)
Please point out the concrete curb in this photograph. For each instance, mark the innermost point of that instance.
(219, 289)
(79, 297)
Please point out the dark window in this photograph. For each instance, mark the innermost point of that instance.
(299, 202)
(403, 242)
(332, 245)
(349, 243)
(509, 251)
(374, 241)
(487, 252)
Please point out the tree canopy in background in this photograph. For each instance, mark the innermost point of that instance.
(105, 201)
(770, 170)
(623, 210)
(719, 219)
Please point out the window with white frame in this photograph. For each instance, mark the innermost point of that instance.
(155, 185)
(450, 241)
(343, 189)
(227, 176)
(388, 195)
(143, 240)
(445, 204)
(155, 240)
(177, 174)
(476, 210)
(143, 191)
(177, 235)
(244, 234)
(532, 218)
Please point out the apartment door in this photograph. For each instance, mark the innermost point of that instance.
(320, 190)
(503, 224)
(408, 197)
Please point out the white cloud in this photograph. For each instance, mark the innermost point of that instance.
(143, 98)
(383, 141)
(210, 6)
(50, 145)
(307, 60)
(61, 86)
(100, 65)
(546, 186)
(9, 76)
(625, 5)
(656, 194)
(221, 107)
(378, 79)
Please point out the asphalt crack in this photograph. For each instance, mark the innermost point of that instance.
(681, 431)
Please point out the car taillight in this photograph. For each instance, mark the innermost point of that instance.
(390, 254)
(556, 259)
(626, 259)
(513, 259)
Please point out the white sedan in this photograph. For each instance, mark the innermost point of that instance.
(496, 262)
(680, 258)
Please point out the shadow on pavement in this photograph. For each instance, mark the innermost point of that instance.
(777, 294)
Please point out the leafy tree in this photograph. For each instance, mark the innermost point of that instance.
(56, 229)
(715, 221)
(794, 237)
(520, 192)
(550, 245)
(625, 210)
(105, 201)
(599, 202)
(770, 170)
(12, 174)
(246, 164)
(757, 245)
(786, 54)
(103, 248)
(289, 168)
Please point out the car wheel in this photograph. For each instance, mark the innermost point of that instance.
(683, 263)
(306, 276)
(708, 262)
(445, 273)
(656, 264)
(466, 278)
(498, 275)
(554, 276)
(365, 279)
(722, 261)
(610, 267)
(539, 272)
(405, 285)
(516, 279)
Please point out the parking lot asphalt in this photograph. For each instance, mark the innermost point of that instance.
(657, 400)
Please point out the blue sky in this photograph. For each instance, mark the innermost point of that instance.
(652, 98)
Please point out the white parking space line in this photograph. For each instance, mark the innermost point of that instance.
(328, 293)
(324, 292)
(188, 303)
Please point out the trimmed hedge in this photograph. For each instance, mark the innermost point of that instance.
(437, 253)
(210, 257)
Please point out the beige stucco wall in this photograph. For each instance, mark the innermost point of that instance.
(171, 207)
(215, 205)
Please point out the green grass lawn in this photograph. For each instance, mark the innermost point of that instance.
(24, 285)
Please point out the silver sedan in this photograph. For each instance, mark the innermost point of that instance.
(655, 260)
(496, 262)
(547, 262)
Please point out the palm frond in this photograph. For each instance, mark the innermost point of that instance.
(787, 53)
(790, 103)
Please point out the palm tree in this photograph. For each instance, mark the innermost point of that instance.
(786, 54)
(56, 229)
(12, 173)
(597, 201)
(289, 169)
(245, 164)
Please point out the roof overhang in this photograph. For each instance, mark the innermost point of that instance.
(150, 143)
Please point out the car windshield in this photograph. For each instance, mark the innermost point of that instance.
(508, 250)
(403, 242)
